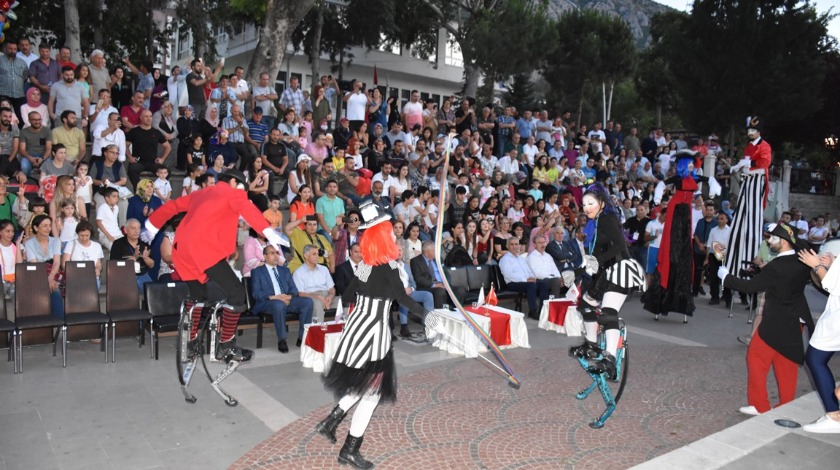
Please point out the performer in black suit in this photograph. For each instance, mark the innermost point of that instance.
(778, 340)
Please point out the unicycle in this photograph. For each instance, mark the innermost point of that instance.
(208, 338)
(611, 388)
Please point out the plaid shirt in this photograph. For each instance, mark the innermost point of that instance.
(292, 99)
(234, 136)
(12, 75)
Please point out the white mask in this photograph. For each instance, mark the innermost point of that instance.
(324, 127)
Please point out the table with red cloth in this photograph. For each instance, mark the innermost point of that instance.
(499, 323)
(319, 345)
(556, 315)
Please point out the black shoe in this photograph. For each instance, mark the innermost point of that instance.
(603, 365)
(282, 346)
(229, 351)
(533, 314)
(299, 342)
(350, 453)
(714, 302)
(327, 427)
(404, 333)
(702, 291)
(586, 349)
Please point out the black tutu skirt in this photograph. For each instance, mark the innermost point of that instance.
(375, 377)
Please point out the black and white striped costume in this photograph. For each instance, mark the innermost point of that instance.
(748, 221)
(363, 362)
(618, 271)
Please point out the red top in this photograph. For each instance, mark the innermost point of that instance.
(208, 232)
(762, 155)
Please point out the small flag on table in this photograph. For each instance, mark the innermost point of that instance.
(491, 297)
(481, 295)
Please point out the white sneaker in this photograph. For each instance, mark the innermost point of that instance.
(749, 410)
(824, 425)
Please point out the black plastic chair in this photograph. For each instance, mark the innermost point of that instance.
(122, 301)
(163, 301)
(32, 307)
(458, 278)
(501, 289)
(81, 300)
(7, 326)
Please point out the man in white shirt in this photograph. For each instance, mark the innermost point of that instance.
(719, 234)
(314, 281)
(597, 138)
(800, 224)
(412, 112)
(107, 218)
(384, 177)
(25, 51)
(357, 103)
(520, 278)
(109, 133)
(544, 268)
(653, 236)
(509, 165)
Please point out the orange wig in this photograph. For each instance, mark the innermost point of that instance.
(378, 245)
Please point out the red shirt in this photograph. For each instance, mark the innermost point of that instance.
(131, 115)
(761, 155)
(207, 234)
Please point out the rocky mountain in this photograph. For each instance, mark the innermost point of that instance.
(637, 13)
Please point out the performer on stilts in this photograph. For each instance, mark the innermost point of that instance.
(615, 274)
(748, 222)
(362, 372)
(670, 289)
(203, 242)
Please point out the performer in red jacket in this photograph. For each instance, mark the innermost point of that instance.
(203, 242)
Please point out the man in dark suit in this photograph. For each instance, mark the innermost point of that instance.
(429, 278)
(275, 292)
(345, 271)
(561, 251)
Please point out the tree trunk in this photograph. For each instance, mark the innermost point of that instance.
(315, 50)
(98, 38)
(72, 31)
(150, 31)
(471, 74)
(281, 19)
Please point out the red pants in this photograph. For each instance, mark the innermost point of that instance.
(760, 357)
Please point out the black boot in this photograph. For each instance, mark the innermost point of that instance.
(404, 332)
(327, 427)
(585, 349)
(229, 351)
(350, 453)
(605, 364)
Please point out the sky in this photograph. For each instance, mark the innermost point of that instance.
(821, 5)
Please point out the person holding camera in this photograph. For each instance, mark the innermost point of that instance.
(357, 103)
(719, 234)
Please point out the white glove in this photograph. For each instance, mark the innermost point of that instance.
(744, 163)
(149, 232)
(723, 271)
(274, 238)
(590, 263)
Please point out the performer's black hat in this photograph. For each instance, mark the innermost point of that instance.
(788, 233)
(755, 122)
(372, 214)
(234, 174)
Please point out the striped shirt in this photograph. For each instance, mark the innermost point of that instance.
(12, 75)
(236, 134)
(257, 131)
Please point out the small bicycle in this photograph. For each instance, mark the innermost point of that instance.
(610, 388)
(209, 336)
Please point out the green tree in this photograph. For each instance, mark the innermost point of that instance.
(591, 48)
(520, 93)
(734, 59)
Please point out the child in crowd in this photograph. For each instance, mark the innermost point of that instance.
(84, 185)
(517, 212)
(37, 206)
(67, 221)
(535, 191)
(163, 189)
(195, 154)
(193, 172)
(487, 191)
(273, 214)
(107, 218)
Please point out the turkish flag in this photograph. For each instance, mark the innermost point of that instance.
(491, 297)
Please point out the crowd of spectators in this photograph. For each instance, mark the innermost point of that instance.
(515, 177)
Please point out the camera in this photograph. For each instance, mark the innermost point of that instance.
(750, 269)
(321, 252)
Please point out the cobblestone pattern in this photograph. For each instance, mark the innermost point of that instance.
(463, 416)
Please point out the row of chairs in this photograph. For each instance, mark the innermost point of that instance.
(473, 278)
(81, 305)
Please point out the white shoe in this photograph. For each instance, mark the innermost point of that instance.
(824, 425)
(749, 410)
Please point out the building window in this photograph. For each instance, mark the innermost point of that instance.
(404, 97)
(454, 56)
(280, 82)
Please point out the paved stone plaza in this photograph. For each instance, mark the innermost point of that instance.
(679, 409)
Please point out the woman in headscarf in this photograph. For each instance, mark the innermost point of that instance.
(33, 103)
(144, 202)
(210, 124)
